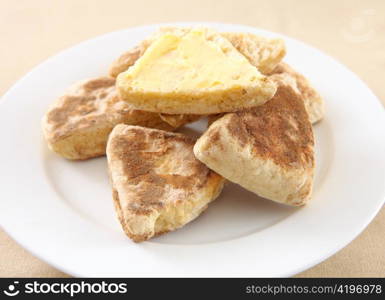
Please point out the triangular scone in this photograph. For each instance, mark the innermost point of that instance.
(267, 150)
(197, 73)
(262, 53)
(77, 125)
(158, 184)
(314, 103)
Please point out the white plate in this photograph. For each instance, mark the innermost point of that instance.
(62, 211)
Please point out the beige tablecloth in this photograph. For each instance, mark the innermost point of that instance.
(351, 31)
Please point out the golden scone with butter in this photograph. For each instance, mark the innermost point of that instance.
(314, 103)
(263, 53)
(127, 59)
(267, 150)
(78, 124)
(158, 184)
(197, 73)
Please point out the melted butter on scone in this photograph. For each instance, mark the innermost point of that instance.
(198, 72)
(189, 62)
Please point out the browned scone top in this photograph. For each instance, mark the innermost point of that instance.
(267, 150)
(79, 107)
(154, 173)
(147, 157)
(84, 105)
(77, 125)
(313, 101)
(302, 82)
(278, 130)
